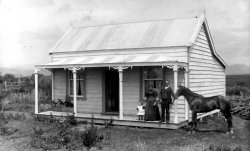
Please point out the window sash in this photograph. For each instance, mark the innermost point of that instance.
(80, 85)
(155, 81)
(71, 88)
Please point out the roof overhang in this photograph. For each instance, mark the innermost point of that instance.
(212, 45)
(115, 60)
(202, 20)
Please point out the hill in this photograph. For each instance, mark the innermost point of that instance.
(231, 80)
(18, 72)
(238, 69)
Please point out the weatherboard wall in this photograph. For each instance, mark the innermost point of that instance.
(59, 84)
(131, 90)
(93, 101)
(206, 73)
(132, 86)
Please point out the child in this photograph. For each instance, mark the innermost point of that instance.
(141, 111)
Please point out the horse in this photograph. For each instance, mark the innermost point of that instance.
(201, 104)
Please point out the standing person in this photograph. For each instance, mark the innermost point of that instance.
(166, 95)
(141, 111)
(150, 108)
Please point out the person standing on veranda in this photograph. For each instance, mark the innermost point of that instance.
(151, 109)
(166, 95)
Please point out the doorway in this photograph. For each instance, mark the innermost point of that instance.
(111, 91)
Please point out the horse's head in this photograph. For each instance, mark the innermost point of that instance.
(180, 91)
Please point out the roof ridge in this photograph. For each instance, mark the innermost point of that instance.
(142, 21)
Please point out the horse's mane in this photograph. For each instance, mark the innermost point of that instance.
(193, 93)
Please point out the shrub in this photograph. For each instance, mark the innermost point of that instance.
(108, 122)
(57, 133)
(211, 147)
(140, 145)
(5, 128)
(52, 135)
(70, 119)
(90, 136)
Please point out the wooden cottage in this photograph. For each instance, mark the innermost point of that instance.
(106, 69)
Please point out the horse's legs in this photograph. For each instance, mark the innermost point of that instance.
(193, 121)
(228, 116)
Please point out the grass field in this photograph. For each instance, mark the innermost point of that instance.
(211, 135)
(231, 80)
(16, 133)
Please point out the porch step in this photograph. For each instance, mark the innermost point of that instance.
(146, 124)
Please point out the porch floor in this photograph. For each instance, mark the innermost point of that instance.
(126, 121)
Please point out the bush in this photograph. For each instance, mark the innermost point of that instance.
(53, 135)
(237, 90)
(70, 119)
(108, 122)
(23, 101)
(5, 128)
(90, 136)
(58, 133)
(222, 148)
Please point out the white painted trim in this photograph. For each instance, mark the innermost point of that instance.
(175, 69)
(168, 64)
(155, 50)
(36, 90)
(74, 84)
(52, 83)
(210, 40)
(120, 70)
(186, 104)
(197, 29)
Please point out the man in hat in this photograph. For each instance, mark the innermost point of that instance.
(166, 95)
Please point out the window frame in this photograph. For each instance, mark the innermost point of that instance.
(83, 79)
(150, 79)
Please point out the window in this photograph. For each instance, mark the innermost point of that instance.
(80, 84)
(152, 77)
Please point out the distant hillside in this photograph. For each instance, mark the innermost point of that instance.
(16, 71)
(19, 71)
(232, 80)
(237, 69)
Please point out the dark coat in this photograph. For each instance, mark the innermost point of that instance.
(151, 108)
(166, 95)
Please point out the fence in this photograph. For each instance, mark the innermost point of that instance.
(11, 85)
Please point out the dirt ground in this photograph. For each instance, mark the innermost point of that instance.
(129, 138)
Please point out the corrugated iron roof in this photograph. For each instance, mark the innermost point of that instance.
(109, 60)
(162, 33)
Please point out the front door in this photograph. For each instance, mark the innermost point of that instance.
(112, 91)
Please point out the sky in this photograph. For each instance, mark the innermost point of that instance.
(30, 28)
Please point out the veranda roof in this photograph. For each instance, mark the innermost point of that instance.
(115, 60)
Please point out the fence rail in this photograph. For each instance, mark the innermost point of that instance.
(11, 85)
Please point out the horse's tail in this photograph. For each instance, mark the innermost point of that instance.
(228, 111)
(225, 107)
(229, 117)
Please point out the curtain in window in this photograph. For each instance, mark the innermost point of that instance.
(153, 77)
(79, 83)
